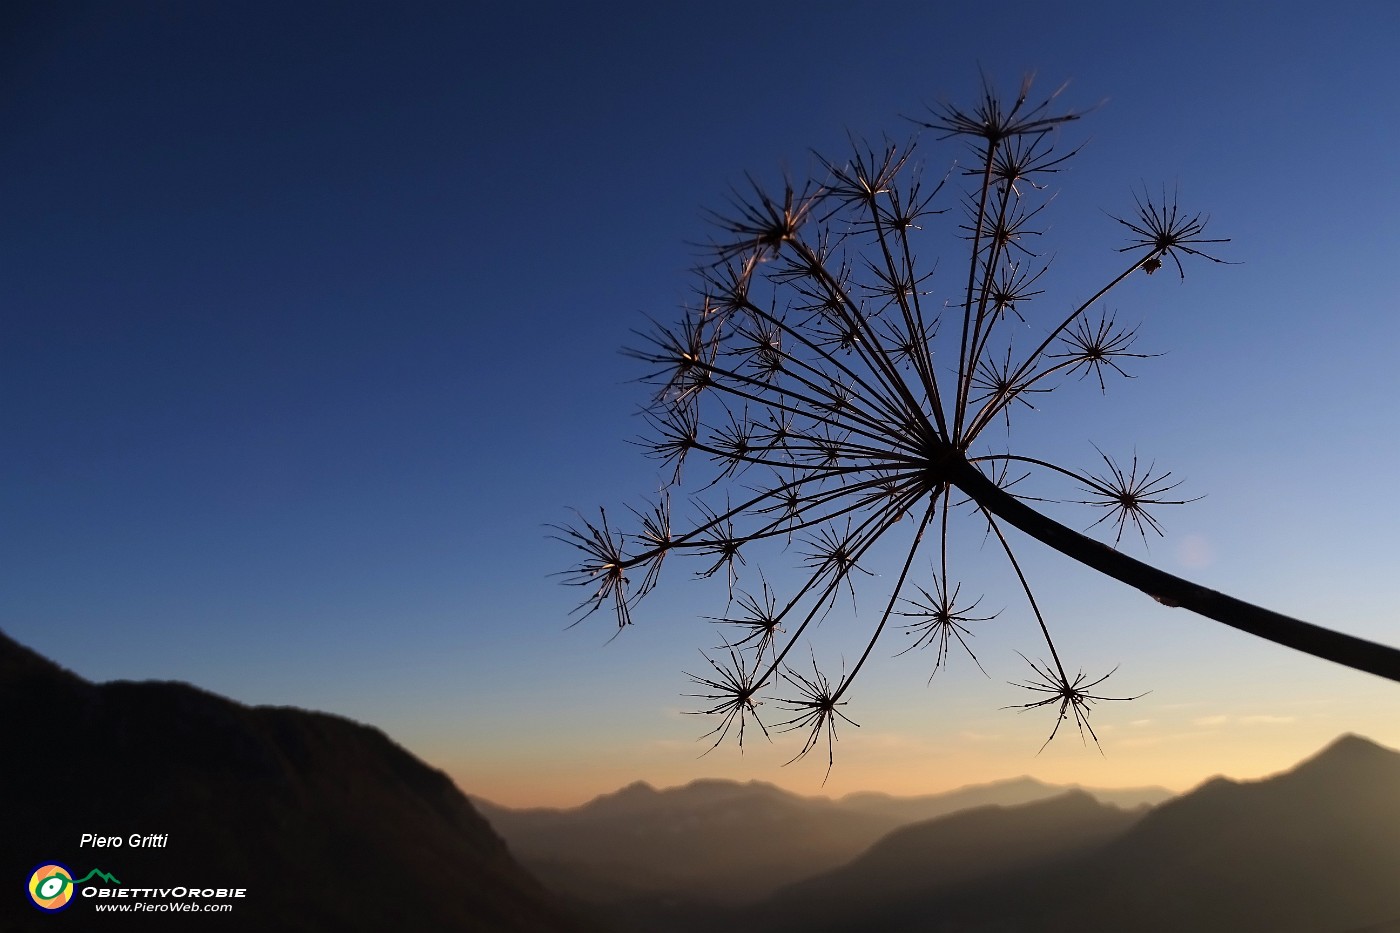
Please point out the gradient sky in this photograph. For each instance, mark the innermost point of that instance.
(309, 320)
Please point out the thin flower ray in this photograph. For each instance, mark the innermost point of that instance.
(817, 707)
(1072, 697)
(993, 121)
(732, 694)
(761, 224)
(1166, 231)
(940, 621)
(1092, 347)
(603, 568)
(1126, 496)
(758, 615)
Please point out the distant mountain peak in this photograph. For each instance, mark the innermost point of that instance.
(1351, 743)
(1349, 751)
(726, 787)
(1023, 781)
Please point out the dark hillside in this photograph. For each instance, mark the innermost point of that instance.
(1312, 850)
(328, 824)
(944, 857)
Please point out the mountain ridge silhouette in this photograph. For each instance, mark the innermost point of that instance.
(327, 823)
(1313, 849)
(727, 841)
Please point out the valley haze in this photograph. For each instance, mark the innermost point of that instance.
(1313, 849)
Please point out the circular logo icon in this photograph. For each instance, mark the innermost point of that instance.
(51, 887)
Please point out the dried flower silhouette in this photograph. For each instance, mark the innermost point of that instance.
(1070, 697)
(834, 387)
(732, 697)
(817, 707)
(940, 621)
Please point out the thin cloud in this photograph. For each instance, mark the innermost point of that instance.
(1255, 719)
(1150, 741)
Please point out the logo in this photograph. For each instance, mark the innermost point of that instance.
(51, 886)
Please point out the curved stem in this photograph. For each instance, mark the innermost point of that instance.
(1030, 596)
(894, 597)
(1170, 590)
(1017, 458)
(880, 521)
(964, 364)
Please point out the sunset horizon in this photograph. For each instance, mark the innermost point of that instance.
(891, 398)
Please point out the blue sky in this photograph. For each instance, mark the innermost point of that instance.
(310, 317)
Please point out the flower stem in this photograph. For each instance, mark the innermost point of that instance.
(1170, 590)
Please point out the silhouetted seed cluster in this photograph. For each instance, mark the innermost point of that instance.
(832, 389)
